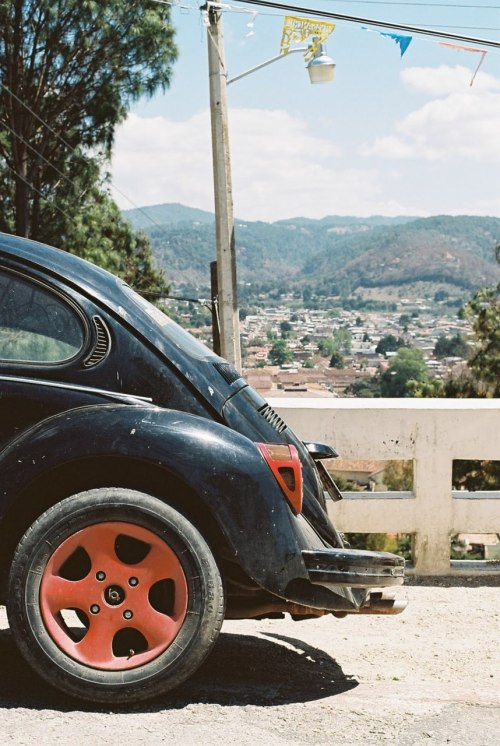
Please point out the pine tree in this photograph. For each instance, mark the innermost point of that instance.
(69, 72)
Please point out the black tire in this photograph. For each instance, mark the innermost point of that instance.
(103, 672)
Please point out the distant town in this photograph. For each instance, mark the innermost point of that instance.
(289, 350)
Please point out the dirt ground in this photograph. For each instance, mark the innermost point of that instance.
(428, 676)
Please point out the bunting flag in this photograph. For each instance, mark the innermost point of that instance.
(251, 24)
(460, 48)
(403, 42)
(296, 30)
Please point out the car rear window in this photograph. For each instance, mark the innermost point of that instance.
(36, 326)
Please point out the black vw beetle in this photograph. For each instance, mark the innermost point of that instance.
(146, 491)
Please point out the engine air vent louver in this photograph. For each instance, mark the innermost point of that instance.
(102, 346)
(228, 373)
(273, 418)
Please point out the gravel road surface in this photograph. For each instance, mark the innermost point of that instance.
(428, 676)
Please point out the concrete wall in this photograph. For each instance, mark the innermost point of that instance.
(432, 432)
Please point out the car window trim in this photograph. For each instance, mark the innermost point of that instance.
(75, 387)
(66, 300)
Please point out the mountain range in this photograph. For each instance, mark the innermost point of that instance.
(331, 255)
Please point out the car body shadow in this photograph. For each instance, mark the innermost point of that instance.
(264, 670)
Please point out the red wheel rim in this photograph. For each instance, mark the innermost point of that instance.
(124, 588)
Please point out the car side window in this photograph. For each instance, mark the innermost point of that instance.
(36, 326)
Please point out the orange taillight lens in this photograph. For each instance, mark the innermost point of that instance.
(284, 462)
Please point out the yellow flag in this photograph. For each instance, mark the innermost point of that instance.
(296, 30)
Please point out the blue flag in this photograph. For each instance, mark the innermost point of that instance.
(402, 41)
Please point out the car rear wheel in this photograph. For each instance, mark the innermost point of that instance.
(114, 596)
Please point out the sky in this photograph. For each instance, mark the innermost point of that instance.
(390, 136)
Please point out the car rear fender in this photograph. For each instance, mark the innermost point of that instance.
(222, 467)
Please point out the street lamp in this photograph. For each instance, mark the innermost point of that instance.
(321, 69)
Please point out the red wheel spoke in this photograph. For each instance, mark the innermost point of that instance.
(96, 648)
(63, 552)
(158, 629)
(59, 593)
(99, 543)
(160, 564)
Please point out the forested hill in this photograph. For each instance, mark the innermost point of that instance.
(336, 251)
(145, 218)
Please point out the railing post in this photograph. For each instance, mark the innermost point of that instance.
(432, 488)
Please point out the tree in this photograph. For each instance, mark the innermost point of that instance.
(336, 360)
(97, 232)
(407, 366)
(285, 328)
(368, 388)
(69, 71)
(484, 310)
(389, 343)
(307, 294)
(484, 362)
(279, 353)
(256, 342)
(476, 475)
(342, 338)
(339, 342)
(398, 475)
(441, 295)
(455, 346)
(374, 542)
(327, 346)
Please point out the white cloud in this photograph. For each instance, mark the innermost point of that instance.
(443, 80)
(158, 160)
(279, 168)
(463, 123)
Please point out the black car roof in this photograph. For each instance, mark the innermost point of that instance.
(60, 263)
(111, 292)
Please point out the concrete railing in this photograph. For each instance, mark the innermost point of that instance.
(431, 432)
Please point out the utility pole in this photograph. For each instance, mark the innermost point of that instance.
(223, 194)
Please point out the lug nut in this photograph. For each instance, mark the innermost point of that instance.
(127, 614)
(100, 575)
(133, 582)
(94, 609)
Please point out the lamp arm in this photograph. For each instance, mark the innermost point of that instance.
(267, 62)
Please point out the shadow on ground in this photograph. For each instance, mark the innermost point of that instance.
(243, 669)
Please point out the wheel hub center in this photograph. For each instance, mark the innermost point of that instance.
(114, 595)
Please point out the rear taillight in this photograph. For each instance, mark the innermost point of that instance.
(284, 462)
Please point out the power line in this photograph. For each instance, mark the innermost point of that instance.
(74, 150)
(45, 199)
(425, 5)
(37, 152)
(371, 22)
(232, 9)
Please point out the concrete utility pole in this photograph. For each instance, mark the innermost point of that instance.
(224, 221)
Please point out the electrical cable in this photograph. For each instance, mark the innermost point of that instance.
(74, 150)
(368, 22)
(45, 199)
(37, 152)
(229, 9)
(420, 5)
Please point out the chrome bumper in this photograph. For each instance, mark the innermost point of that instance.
(353, 568)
